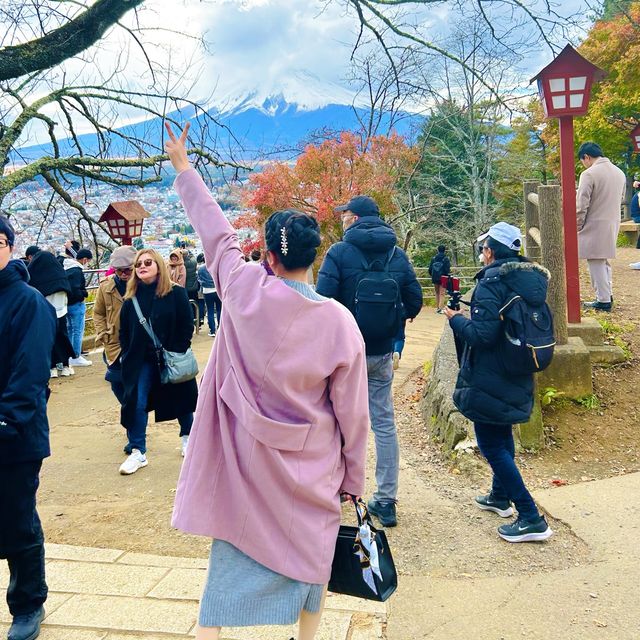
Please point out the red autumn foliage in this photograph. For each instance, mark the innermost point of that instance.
(327, 175)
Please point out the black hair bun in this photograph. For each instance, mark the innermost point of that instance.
(297, 246)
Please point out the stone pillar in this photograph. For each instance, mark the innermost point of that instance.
(552, 244)
(531, 219)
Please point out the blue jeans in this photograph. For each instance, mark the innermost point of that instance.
(137, 434)
(496, 445)
(214, 310)
(75, 325)
(380, 375)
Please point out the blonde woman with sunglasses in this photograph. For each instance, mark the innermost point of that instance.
(166, 308)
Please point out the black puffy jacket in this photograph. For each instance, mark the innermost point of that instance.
(339, 274)
(77, 282)
(485, 392)
(27, 332)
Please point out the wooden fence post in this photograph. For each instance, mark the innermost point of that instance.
(552, 245)
(531, 219)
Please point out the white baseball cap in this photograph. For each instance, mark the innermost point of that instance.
(505, 234)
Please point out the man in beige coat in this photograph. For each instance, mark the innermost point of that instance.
(106, 314)
(600, 193)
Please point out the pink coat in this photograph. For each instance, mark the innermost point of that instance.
(282, 419)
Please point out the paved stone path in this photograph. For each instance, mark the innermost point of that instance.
(112, 594)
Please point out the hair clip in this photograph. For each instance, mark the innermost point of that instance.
(284, 245)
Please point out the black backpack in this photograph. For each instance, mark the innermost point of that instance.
(377, 300)
(438, 269)
(528, 341)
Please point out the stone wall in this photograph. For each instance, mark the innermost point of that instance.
(445, 423)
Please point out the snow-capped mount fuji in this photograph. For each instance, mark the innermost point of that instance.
(254, 125)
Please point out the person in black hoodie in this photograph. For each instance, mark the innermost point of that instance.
(485, 393)
(48, 276)
(439, 266)
(27, 329)
(368, 240)
(77, 308)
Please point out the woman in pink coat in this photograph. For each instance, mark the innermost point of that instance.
(281, 424)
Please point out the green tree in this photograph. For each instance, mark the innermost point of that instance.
(524, 158)
(138, 244)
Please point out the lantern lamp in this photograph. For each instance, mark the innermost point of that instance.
(565, 84)
(124, 220)
(635, 139)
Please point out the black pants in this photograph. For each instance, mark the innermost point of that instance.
(21, 537)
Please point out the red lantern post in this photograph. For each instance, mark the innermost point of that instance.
(124, 220)
(635, 139)
(565, 88)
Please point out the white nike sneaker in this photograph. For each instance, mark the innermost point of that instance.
(66, 372)
(134, 462)
(80, 361)
(53, 373)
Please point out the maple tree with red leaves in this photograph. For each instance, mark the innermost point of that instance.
(325, 176)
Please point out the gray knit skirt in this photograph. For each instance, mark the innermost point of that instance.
(241, 592)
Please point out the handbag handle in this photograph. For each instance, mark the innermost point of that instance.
(360, 504)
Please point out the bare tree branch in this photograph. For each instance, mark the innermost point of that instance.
(64, 42)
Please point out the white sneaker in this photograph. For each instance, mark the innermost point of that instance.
(67, 371)
(185, 444)
(53, 373)
(134, 462)
(80, 361)
(396, 360)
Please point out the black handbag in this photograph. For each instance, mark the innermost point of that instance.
(351, 561)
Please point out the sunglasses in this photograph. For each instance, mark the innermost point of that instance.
(124, 271)
(147, 263)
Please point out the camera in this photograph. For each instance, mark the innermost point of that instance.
(452, 285)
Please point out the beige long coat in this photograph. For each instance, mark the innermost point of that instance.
(106, 319)
(600, 194)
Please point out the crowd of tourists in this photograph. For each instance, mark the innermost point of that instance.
(275, 433)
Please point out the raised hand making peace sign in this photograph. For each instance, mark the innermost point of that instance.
(176, 148)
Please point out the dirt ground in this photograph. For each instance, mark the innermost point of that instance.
(84, 501)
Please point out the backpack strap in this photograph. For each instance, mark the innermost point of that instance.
(367, 265)
(508, 303)
(146, 324)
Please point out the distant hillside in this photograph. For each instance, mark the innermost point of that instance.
(254, 129)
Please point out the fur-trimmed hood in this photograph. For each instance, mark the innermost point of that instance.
(528, 279)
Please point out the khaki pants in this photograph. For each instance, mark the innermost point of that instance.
(600, 272)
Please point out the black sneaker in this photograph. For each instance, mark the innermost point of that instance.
(525, 531)
(597, 305)
(386, 513)
(26, 627)
(488, 503)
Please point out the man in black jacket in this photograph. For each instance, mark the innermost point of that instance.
(369, 242)
(27, 327)
(485, 392)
